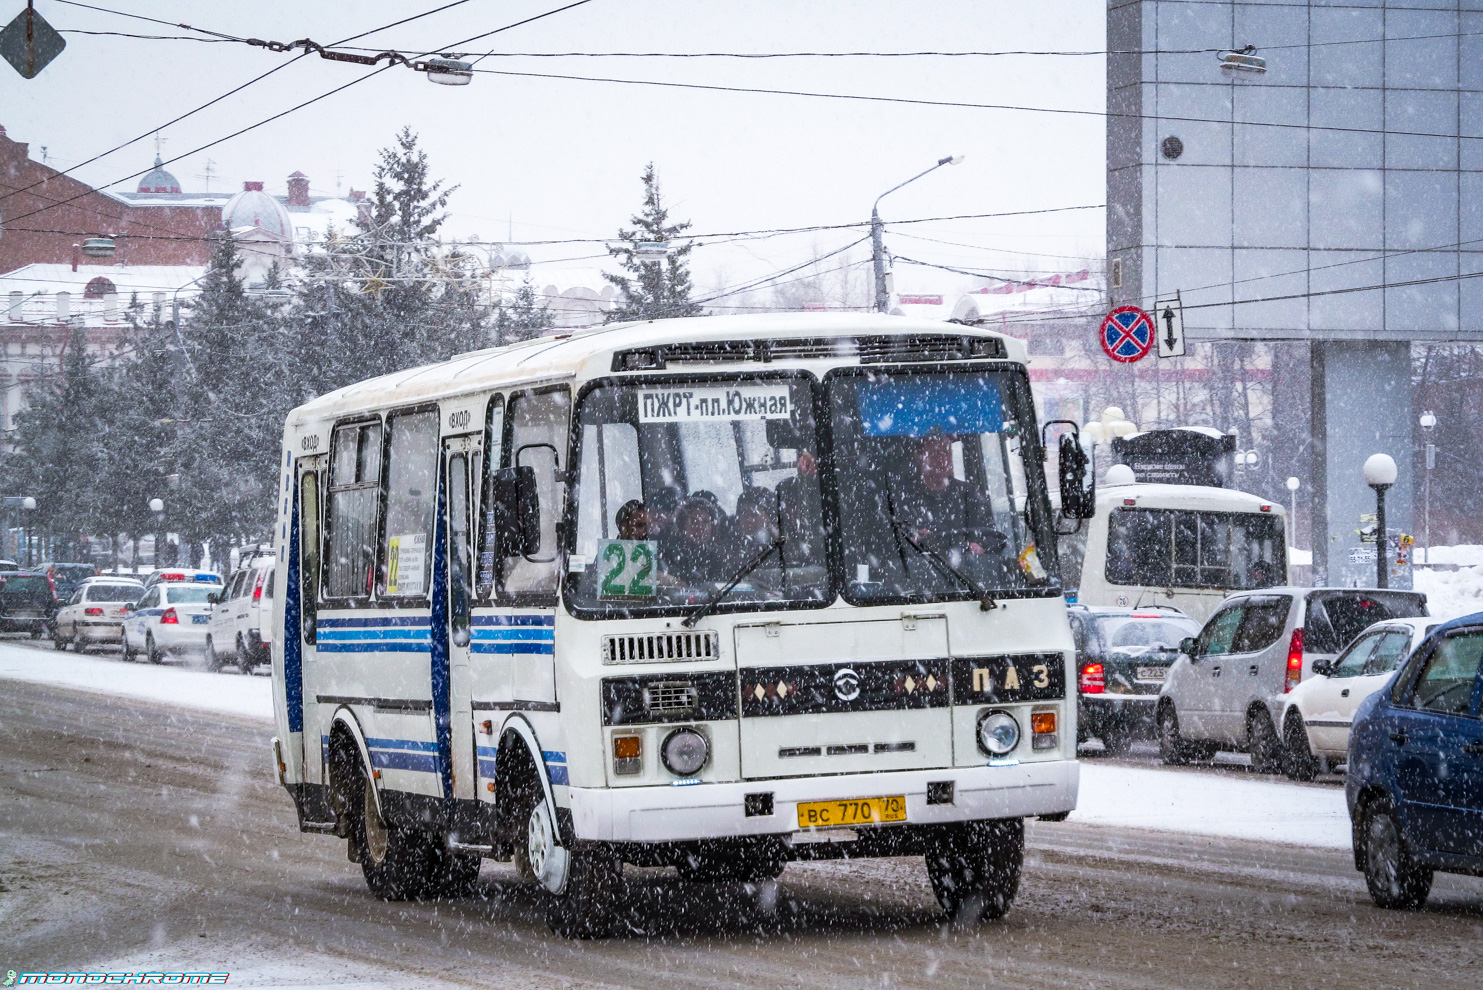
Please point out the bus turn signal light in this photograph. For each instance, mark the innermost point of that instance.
(1043, 722)
(628, 754)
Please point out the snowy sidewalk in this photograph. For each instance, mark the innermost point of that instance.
(1193, 802)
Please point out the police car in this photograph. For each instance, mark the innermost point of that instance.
(172, 616)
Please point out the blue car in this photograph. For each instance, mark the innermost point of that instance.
(1415, 782)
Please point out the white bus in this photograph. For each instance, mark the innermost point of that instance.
(1186, 546)
(716, 594)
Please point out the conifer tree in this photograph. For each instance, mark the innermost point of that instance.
(660, 288)
(523, 319)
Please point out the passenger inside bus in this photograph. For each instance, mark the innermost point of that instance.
(633, 521)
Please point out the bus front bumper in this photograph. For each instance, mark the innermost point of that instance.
(718, 811)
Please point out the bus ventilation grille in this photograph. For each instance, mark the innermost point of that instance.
(867, 350)
(661, 647)
(670, 696)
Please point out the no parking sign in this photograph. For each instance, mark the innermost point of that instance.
(1128, 334)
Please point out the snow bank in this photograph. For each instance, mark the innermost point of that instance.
(1466, 554)
(172, 684)
(1450, 594)
(1199, 802)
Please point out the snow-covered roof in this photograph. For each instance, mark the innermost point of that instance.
(1161, 496)
(39, 284)
(589, 353)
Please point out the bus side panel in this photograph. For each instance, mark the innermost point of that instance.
(287, 702)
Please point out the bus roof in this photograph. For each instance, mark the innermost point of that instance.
(589, 352)
(1156, 496)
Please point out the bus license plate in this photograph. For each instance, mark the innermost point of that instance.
(855, 811)
(1151, 674)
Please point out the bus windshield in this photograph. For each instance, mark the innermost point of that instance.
(934, 496)
(686, 484)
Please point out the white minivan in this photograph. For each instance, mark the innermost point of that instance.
(237, 631)
(1226, 690)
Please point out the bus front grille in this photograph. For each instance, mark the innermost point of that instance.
(661, 647)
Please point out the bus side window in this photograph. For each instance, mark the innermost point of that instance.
(308, 552)
(355, 480)
(489, 560)
(459, 550)
(538, 439)
(411, 503)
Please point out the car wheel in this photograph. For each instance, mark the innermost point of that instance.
(975, 868)
(1117, 739)
(1173, 749)
(1395, 880)
(59, 641)
(151, 653)
(1298, 761)
(213, 661)
(1262, 742)
(128, 650)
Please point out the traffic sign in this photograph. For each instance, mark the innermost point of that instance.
(1127, 334)
(1169, 317)
(29, 43)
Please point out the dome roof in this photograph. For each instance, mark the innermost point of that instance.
(159, 181)
(254, 208)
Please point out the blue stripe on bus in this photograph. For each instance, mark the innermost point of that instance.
(401, 760)
(368, 621)
(426, 747)
(375, 646)
(554, 757)
(522, 647)
(293, 658)
(513, 620)
(557, 772)
(486, 768)
(344, 634)
(541, 635)
(486, 750)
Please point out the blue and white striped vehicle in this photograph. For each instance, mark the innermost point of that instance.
(715, 594)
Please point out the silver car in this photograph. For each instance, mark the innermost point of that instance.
(1226, 690)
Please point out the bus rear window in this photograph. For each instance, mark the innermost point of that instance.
(1180, 548)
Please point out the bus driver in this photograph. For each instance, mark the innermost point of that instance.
(946, 511)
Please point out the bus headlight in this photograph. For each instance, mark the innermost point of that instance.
(998, 733)
(684, 752)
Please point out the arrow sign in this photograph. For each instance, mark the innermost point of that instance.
(29, 43)
(1127, 334)
(1169, 315)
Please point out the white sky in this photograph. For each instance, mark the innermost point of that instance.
(563, 157)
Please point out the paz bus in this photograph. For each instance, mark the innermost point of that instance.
(716, 594)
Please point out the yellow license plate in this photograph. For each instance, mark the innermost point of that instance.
(855, 811)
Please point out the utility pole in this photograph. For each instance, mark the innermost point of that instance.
(877, 248)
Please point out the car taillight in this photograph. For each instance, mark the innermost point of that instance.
(257, 588)
(170, 617)
(1093, 679)
(92, 611)
(1294, 660)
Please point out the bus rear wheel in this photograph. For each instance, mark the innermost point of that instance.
(975, 868)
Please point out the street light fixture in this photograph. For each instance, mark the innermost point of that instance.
(877, 249)
(1380, 474)
(1428, 423)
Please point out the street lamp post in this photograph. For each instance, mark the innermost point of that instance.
(157, 506)
(1293, 484)
(27, 504)
(877, 248)
(1380, 474)
(1428, 423)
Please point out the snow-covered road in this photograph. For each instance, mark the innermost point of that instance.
(1222, 802)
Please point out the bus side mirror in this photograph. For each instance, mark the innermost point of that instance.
(517, 511)
(1078, 491)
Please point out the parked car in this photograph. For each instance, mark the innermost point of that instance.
(1122, 656)
(1415, 780)
(181, 575)
(27, 603)
(95, 613)
(1317, 714)
(8, 566)
(240, 629)
(66, 577)
(169, 619)
(1225, 692)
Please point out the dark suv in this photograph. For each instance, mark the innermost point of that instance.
(28, 603)
(1122, 657)
(1415, 780)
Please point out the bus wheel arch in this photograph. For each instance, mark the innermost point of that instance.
(349, 758)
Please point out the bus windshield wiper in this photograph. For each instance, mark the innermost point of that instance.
(776, 546)
(939, 560)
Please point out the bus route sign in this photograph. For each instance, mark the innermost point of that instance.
(1128, 334)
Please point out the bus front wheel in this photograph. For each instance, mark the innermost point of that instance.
(975, 868)
(581, 878)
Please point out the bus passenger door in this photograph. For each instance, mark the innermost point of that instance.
(461, 468)
(301, 606)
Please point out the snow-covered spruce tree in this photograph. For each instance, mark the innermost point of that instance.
(657, 289)
(523, 319)
(59, 449)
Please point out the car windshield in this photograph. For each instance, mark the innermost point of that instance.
(112, 592)
(682, 484)
(933, 491)
(1180, 548)
(188, 594)
(1136, 635)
